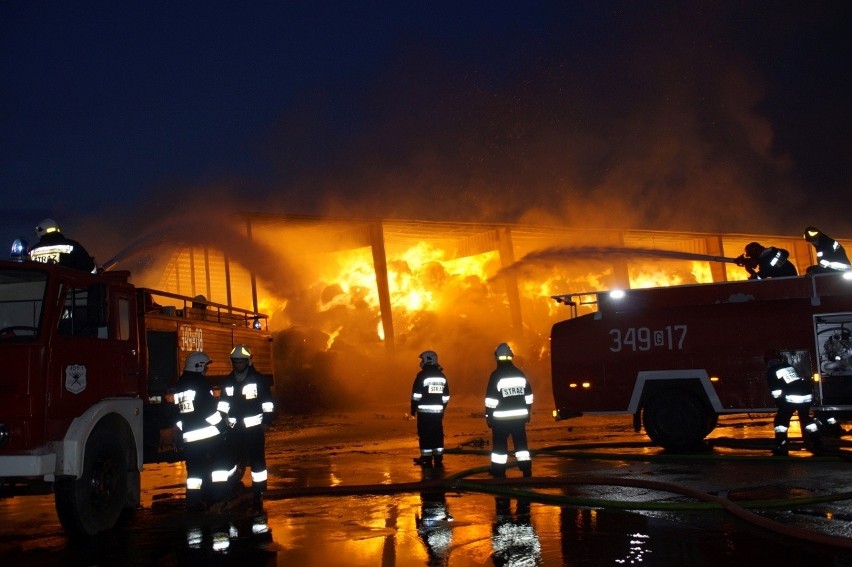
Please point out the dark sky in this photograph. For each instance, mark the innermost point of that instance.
(717, 116)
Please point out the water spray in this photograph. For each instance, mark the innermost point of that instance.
(606, 253)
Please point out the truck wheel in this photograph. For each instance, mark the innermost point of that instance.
(93, 503)
(676, 420)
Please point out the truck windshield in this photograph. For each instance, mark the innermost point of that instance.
(21, 301)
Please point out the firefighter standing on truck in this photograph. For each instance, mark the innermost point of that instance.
(766, 262)
(53, 247)
(202, 427)
(250, 406)
(792, 394)
(430, 395)
(508, 404)
(831, 257)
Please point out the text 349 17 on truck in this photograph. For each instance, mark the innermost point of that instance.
(677, 358)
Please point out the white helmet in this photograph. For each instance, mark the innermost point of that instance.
(428, 357)
(503, 352)
(240, 352)
(197, 362)
(46, 226)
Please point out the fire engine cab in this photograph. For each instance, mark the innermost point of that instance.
(86, 366)
(677, 358)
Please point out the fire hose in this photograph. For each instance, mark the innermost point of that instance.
(522, 488)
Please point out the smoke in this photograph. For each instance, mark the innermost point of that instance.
(635, 117)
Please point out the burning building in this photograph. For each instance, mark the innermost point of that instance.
(352, 302)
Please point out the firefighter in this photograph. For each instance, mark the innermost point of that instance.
(250, 406)
(53, 247)
(202, 426)
(831, 257)
(761, 262)
(508, 404)
(430, 395)
(792, 394)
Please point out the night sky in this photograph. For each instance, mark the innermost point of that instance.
(710, 116)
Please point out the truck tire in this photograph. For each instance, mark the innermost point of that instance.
(676, 420)
(93, 503)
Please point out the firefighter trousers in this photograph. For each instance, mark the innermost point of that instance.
(501, 430)
(430, 435)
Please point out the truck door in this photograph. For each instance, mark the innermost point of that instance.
(86, 358)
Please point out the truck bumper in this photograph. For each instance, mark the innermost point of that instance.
(28, 465)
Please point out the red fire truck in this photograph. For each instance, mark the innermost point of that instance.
(87, 364)
(677, 358)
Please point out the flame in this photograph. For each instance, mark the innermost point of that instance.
(423, 279)
(665, 274)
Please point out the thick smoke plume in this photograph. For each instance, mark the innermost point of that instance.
(635, 117)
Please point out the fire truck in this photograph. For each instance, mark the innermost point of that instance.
(676, 358)
(88, 361)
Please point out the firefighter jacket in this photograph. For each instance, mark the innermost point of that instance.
(430, 392)
(509, 395)
(786, 384)
(773, 263)
(198, 417)
(55, 248)
(830, 254)
(247, 400)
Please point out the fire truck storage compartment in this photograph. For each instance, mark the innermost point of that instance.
(834, 347)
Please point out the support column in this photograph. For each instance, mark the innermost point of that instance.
(380, 267)
(507, 257)
(715, 248)
(251, 272)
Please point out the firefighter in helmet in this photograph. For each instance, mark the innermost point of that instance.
(430, 395)
(792, 394)
(53, 247)
(831, 257)
(766, 262)
(202, 427)
(508, 405)
(250, 406)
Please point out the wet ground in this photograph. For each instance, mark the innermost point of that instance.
(344, 491)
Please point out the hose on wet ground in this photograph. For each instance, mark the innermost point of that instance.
(521, 488)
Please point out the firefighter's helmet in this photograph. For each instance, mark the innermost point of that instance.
(428, 357)
(753, 249)
(811, 233)
(241, 352)
(503, 352)
(45, 227)
(197, 362)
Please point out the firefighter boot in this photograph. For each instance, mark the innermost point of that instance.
(439, 461)
(526, 468)
(781, 445)
(425, 461)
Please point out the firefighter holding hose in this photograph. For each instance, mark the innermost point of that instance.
(766, 262)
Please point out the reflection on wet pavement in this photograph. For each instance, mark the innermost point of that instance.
(343, 491)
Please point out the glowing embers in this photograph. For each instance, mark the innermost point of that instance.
(583, 385)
